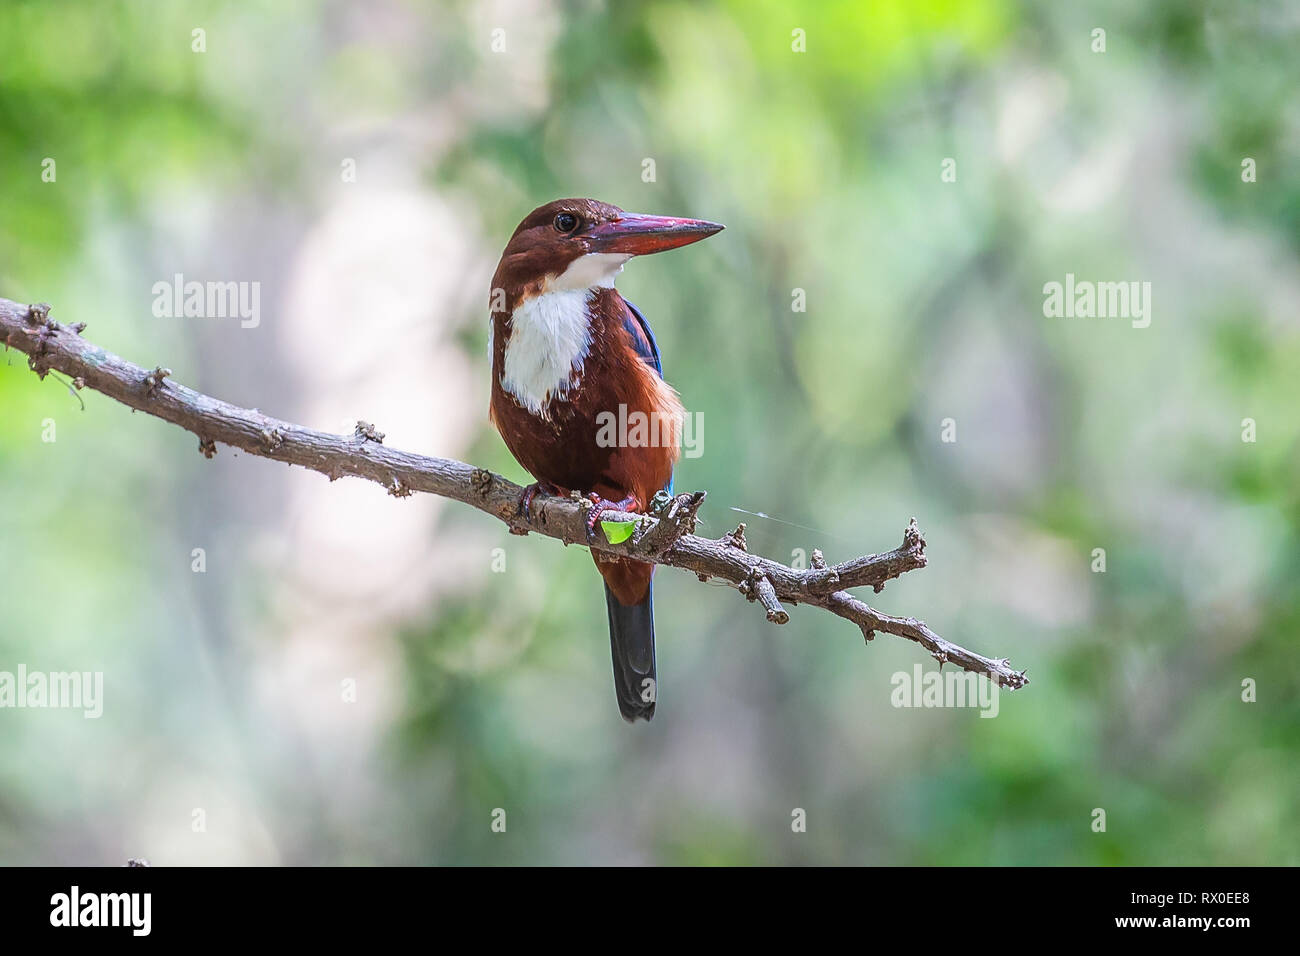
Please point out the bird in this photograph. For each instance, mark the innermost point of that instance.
(570, 356)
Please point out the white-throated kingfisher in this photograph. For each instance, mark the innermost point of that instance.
(568, 352)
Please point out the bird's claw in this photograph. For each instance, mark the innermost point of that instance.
(530, 492)
(600, 505)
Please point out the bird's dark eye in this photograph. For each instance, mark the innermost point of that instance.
(566, 222)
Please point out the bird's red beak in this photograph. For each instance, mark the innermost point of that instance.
(635, 235)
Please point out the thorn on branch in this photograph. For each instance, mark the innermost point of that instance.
(153, 381)
(480, 480)
(38, 313)
(367, 432)
(42, 329)
(736, 539)
(690, 508)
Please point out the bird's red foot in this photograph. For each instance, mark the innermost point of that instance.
(531, 491)
(600, 505)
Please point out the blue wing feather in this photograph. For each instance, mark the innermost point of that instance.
(643, 338)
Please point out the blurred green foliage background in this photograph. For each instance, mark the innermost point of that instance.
(230, 732)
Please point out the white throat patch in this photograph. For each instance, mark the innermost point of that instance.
(596, 270)
(550, 333)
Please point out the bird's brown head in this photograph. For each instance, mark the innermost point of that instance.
(580, 243)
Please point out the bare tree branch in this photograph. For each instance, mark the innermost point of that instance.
(663, 538)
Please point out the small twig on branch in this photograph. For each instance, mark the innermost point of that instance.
(666, 536)
(758, 587)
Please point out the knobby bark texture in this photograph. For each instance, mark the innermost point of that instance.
(666, 536)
